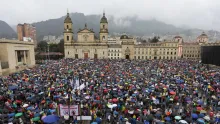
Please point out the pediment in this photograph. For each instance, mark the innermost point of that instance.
(85, 31)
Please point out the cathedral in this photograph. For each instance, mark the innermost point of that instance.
(86, 46)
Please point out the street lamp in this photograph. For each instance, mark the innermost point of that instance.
(80, 74)
(48, 50)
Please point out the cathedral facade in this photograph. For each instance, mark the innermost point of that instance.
(125, 47)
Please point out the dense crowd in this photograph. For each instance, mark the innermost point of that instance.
(113, 91)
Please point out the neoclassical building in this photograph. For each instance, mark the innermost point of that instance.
(124, 47)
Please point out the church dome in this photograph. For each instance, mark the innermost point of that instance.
(203, 35)
(103, 19)
(124, 36)
(177, 36)
(67, 19)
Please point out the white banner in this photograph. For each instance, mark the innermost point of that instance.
(84, 117)
(76, 84)
(64, 110)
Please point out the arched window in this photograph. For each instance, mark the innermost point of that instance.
(67, 38)
(103, 37)
(103, 26)
(67, 26)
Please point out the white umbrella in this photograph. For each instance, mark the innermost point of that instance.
(110, 106)
(87, 97)
(183, 121)
(207, 118)
(114, 105)
(25, 105)
(131, 112)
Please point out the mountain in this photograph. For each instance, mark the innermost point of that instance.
(6, 31)
(129, 25)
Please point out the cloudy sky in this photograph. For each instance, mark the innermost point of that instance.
(202, 14)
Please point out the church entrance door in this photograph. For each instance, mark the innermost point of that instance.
(95, 56)
(76, 56)
(86, 56)
(127, 57)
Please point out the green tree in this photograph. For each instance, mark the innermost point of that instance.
(42, 46)
(155, 39)
(61, 46)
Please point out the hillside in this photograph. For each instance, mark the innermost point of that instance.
(129, 25)
(6, 31)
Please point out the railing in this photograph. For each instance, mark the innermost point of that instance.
(4, 65)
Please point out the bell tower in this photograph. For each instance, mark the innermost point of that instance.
(68, 30)
(103, 34)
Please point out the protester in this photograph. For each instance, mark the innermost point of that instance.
(111, 91)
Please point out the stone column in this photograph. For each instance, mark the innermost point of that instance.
(0, 68)
(16, 57)
(25, 60)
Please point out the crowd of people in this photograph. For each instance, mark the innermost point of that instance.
(113, 91)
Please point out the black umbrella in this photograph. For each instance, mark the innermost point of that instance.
(150, 117)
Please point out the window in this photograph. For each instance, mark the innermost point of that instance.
(150, 57)
(103, 26)
(118, 57)
(146, 57)
(111, 54)
(171, 53)
(103, 52)
(138, 57)
(142, 57)
(115, 54)
(67, 26)
(103, 37)
(67, 38)
(68, 53)
(174, 53)
(108, 54)
(164, 57)
(167, 53)
(134, 57)
(118, 54)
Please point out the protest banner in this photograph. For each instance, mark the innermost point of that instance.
(65, 109)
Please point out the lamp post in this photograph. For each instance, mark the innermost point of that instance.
(80, 74)
(48, 50)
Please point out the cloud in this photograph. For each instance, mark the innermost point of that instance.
(193, 13)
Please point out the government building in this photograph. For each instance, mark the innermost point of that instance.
(125, 47)
(16, 55)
